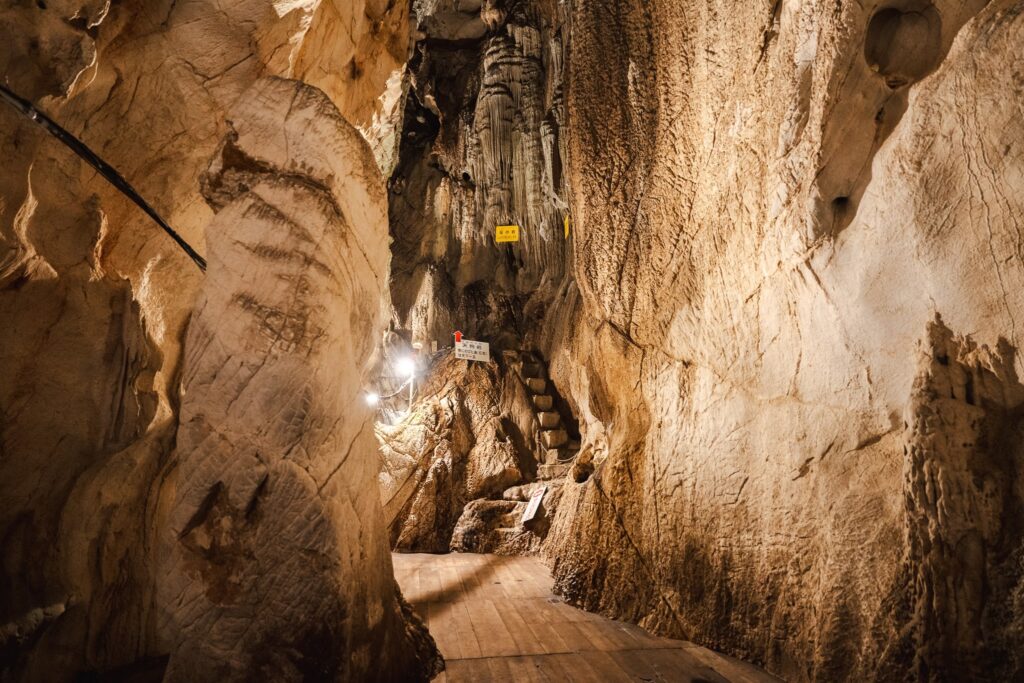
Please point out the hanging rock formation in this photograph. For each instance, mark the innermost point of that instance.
(481, 147)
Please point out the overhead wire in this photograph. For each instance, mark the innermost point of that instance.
(29, 111)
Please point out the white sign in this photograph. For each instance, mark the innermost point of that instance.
(473, 350)
(534, 506)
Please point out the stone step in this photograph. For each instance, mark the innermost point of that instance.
(531, 370)
(553, 471)
(519, 494)
(554, 438)
(542, 402)
(549, 420)
(537, 385)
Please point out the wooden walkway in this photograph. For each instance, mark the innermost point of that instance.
(495, 619)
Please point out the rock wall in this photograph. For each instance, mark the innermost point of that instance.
(279, 568)
(97, 298)
(454, 446)
(482, 146)
(772, 203)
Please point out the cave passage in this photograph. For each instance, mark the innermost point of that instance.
(530, 340)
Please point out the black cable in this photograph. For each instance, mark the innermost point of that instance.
(106, 170)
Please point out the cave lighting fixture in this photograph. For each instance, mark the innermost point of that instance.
(406, 367)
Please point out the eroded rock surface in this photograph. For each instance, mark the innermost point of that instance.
(278, 567)
(451, 449)
(770, 204)
(95, 298)
(777, 202)
(482, 146)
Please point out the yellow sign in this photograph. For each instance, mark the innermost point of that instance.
(506, 233)
(566, 226)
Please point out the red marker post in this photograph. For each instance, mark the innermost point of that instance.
(458, 338)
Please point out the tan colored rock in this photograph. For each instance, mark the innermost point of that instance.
(549, 420)
(95, 298)
(482, 146)
(554, 438)
(497, 527)
(541, 402)
(771, 211)
(962, 437)
(452, 448)
(278, 565)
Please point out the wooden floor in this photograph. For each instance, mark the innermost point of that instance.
(495, 619)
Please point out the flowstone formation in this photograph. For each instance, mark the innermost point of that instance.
(963, 432)
(95, 299)
(284, 329)
(481, 146)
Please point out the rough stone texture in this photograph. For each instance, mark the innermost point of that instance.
(771, 204)
(481, 147)
(778, 199)
(496, 526)
(279, 567)
(451, 448)
(95, 298)
(456, 465)
(962, 434)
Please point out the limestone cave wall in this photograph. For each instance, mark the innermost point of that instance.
(791, 336)
(482, 146)
(104, 497)
(770, 256)
(793, 262)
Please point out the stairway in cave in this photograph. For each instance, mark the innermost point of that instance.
(554, 448)
(494, 525)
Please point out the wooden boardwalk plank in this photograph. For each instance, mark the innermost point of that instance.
(495, 620)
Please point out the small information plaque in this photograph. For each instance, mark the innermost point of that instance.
(473, 350)
(534, 507)
(506, 233)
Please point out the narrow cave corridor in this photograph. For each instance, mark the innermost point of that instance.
(511, 340)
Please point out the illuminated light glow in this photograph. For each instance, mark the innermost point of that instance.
(372, 398)
(405, 367)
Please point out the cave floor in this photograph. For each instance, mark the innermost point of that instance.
(495, 619)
